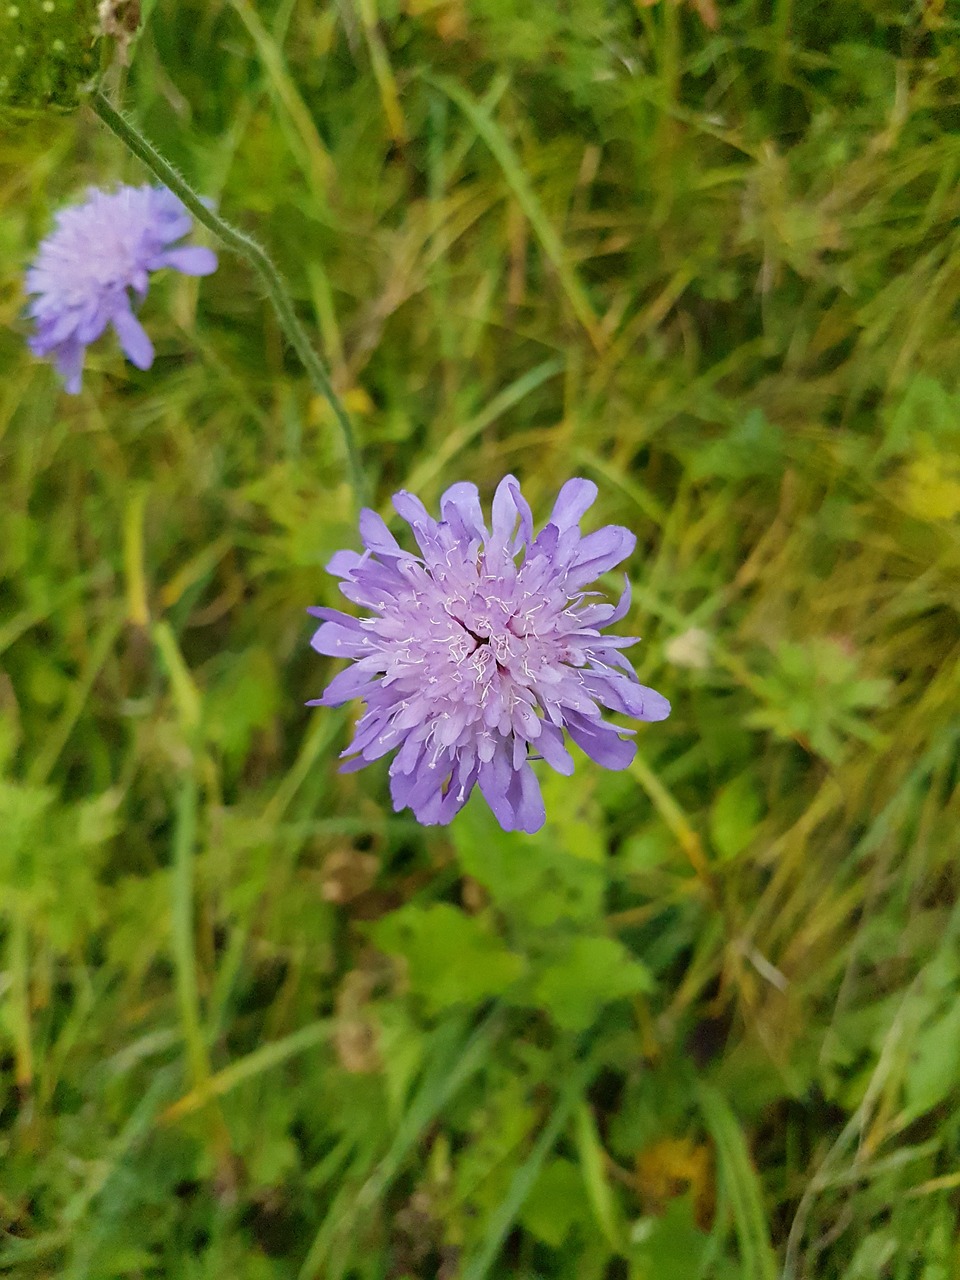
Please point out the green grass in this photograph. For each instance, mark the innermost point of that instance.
(252, 1023)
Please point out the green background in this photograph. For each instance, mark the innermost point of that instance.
(705, 1024)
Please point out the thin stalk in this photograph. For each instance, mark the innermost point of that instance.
(20, 1000)
(185, 963)
(256, 257)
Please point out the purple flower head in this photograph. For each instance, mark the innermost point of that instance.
(96, 252)
(476, 658)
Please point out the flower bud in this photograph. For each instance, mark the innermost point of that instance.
(49, 53)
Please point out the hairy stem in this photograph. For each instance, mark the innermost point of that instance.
(248, 249)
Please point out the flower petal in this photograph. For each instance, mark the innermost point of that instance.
(509, 505)
(376, 536)
(622, 694)
(136, 346)
(348, 684)
(335, 641)
(472, 665)
(527, 800)
(191, 260)
(598, 552)
(460, 508)
(98, 252)
(68, 361)
(575, 498)
(601, 741)
(550, 745)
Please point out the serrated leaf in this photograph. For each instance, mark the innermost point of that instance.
(452, 958)
(529, 877)
(591, 973)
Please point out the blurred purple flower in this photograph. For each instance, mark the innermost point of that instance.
(96, 252)
(472, 663)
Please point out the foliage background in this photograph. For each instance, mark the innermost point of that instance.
(706, 1024)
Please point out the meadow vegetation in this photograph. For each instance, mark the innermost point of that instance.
(707, 1022)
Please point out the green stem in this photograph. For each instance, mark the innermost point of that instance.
(184, 838)
(20, 998)
(256, 257)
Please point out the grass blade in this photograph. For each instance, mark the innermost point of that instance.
(504, 1216)
(527, 199)
(740, 1182)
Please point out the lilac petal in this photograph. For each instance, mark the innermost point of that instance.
(97, 253)
(90, 322)
(191, 260)
(377, 741)
(348, 684)
(656, 706)
(164, 206)
(509, 505)
(348, 766)
(574, 500)
(136, 346)
(335, 641)
(69, 365)
(424, 527)
(623, 604)
(334, 615)
(53, 332)
(401, 789)
(460, 508)
(601, 742)
(408, 758)
(343, 563)
(417, 790)
(374, 585)
(506, 509)
(456, 797)
(546, 542)
(525, 532)
(409, 507)
(493, 778)
(376, 536)
(599, 552)
(550, 746)
(625, 695)
(471, 665)
(526, 800)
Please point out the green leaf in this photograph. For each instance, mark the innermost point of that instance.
(244, 700)
(592, 973)
(814, 692)
(927, 409)
(934, 1070)
(734, 814)
(754, 447)
(556, 1203)
(452, 958)
(49, 858)
(573, 819)
(646, 850)
(528, 877)
(671, 1247)
(736, 1174)
(592, 1166)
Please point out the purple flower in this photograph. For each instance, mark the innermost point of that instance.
(97, 251)
(474, 660)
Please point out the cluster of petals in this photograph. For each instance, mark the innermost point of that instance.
(98, 252)
(477, 654)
